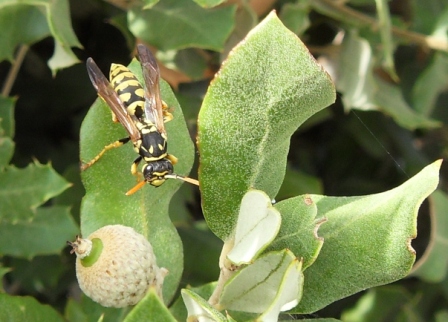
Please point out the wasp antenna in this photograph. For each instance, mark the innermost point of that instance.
(136, 188)
(186, 179)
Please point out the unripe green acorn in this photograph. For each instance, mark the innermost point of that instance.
(116, 266)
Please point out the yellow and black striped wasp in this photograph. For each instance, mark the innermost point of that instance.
(142, 113)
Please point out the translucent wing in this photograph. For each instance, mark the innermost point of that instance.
(108, 94)
(153, 102)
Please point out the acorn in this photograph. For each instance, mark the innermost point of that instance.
(116, 266)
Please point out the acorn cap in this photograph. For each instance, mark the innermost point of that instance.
(116, 266)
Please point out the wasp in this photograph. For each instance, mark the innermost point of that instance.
(142, 113)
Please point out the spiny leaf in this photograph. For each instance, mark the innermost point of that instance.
(26, 308)
(46, 234)
(23, 190)
(151, 305)
(31, 20)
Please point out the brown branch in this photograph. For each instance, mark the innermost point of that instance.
(15, 67)
(338, 11)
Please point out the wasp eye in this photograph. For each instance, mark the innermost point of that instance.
(148, 171)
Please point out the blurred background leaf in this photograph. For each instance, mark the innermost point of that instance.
(26, 22)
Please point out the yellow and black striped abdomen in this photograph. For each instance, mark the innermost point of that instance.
(128, 88)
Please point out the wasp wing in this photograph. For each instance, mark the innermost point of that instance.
(108, 94)
(153, 101)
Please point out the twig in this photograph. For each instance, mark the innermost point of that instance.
(338, 11)
(15, 67)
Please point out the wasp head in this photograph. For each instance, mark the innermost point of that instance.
(155, 172)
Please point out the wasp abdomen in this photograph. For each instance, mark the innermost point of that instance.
(128, 88)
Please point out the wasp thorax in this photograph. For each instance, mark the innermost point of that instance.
(120, 266)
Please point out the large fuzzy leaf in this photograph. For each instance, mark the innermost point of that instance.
(267, 87)
(367, 240)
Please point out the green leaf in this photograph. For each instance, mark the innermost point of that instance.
(149, 3)
(152, 306)
(6, 148)
(257, 225)
(441, 24)
(288, 294)
(208, 3)
(61, 58)
(298, 183)
(389, 303)
(7, 105)
(25, 308)
(367, 240)
(429, 15)
(430, 84)
(31, 27)
(299, 230)
(441, 316)
(108, 180)
(45, 234)
(200, 246)
(295, 17)
(271, 284)
(386, 37)
(245, 20)
(120, 22)
(432, 267)
(267, 87)
(198, 307)
(361, 90)
(23, 190)
(178, 308)
(356, 80)
(191, 62)
(20, 24)
(3, 271)
(390, 99)
(317, 320)
(86, 309)
(42, 275)
(174, 24)
(72, 197)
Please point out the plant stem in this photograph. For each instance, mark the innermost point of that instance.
(227, 271)
(337, 10)
(15, 67)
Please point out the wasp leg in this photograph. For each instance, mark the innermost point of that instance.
(134, 168)
(114, 118)
(172, 158)
(116, 144)
(167, 116)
